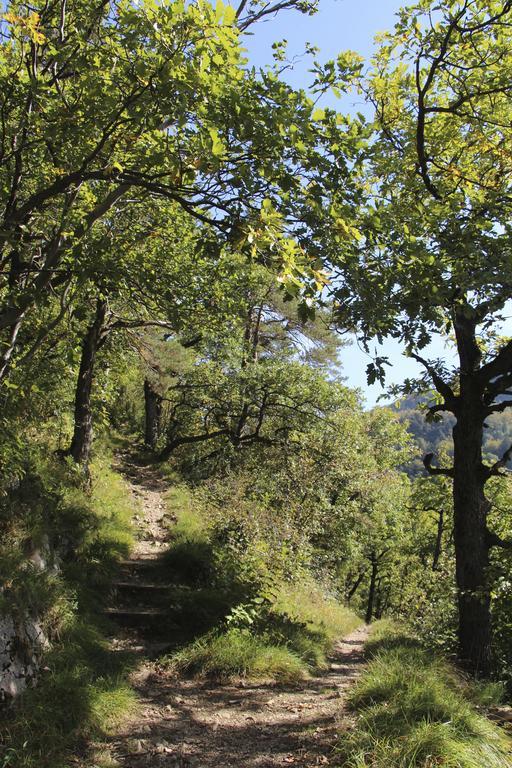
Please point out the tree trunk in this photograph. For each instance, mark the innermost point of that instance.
(371, 593)
(382, 600)
(350, 592)
(153, 412)
(471, 547)
(439, 540)
(82, 436)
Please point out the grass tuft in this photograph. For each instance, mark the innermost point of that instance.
(235, 654)
(414, 712)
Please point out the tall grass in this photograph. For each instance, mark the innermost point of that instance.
(415, 711)
(237, 653)
(309, 603)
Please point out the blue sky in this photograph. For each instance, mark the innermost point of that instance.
(339, 25)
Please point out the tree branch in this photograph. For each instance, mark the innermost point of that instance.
(501, 365)
(442, 387)
(189, 439)
(501, 463)
(493, 540)
(427, 463)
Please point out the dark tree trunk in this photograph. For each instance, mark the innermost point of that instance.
(82, 436)
(439, 540)
(354, 587)
(371, 592)
(471, 547)
(470, 504)
(153, 413)
(382, 600)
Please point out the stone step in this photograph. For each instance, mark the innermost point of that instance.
(139, 565)
(135, 612)
(139, 618)
(142, 586)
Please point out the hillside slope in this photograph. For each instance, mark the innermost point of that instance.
(436, 436)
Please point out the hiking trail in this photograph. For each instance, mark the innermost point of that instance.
(188, 723)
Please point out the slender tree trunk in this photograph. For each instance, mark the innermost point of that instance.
(355, 586)
(82, 436)
(384, 604)
(471, 547)
(439, 540)
(153, 413)
(371, 592)
(382, 600)
(10, 346)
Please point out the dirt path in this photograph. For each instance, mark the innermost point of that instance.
(147, 487)
(186, 723)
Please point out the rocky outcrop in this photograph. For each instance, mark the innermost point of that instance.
(22, 637)
(22, 642)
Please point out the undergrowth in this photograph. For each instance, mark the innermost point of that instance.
(415, 711)
(82, 689)
(261, 627)
(82, 693)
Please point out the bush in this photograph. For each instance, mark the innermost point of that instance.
(281, 637)
(263, 625)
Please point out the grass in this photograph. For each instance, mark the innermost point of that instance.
(254, 631)
(82, 694)
(83, 690)
(309, 603)
(237, 653)
(189, 559)
(282, 641)
(415, 711)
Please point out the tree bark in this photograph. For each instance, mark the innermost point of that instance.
(471, 547)
(153, 412)
(81, 443)
(371, 592)
(470, 504)
(382, 600)
(350, 592)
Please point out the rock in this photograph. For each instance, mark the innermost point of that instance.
(21, 644)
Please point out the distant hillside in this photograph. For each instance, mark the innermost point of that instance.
(435, 436)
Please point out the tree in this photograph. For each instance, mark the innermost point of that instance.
(174, 277)
(102, 101)
(257, 383)
(434, 252)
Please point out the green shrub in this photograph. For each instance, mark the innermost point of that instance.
(259, 639)
(255, 623)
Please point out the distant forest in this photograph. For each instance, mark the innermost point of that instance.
(436, 436)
